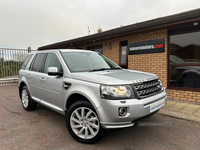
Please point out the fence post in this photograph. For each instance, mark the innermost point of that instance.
(29, 49)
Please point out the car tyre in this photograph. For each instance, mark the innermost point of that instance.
(27, 103)
(190, 81)
(83, 123)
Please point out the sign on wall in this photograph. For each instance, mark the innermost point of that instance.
(145, 47)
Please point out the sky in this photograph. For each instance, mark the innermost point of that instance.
(36, 23)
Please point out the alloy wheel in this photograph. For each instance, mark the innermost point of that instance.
(84, 123)
(25, 98)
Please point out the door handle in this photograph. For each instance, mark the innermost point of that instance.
(42, 79)
(28, 75)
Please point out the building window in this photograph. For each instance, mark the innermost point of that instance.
(97, 48)
(184, 60)
(123, 54)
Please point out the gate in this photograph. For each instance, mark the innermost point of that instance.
(11, 61)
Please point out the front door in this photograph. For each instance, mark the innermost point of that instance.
(51, 86)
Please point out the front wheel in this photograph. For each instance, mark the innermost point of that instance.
(83, 123)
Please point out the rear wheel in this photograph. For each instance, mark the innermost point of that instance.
(26, 100)
(190, 80)
(83, 123)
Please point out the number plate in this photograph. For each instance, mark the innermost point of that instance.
(155, 106)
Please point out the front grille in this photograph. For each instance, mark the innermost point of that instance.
(148, 88)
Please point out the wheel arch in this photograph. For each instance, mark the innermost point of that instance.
(189, 72)
(74, 98)
(22, 84)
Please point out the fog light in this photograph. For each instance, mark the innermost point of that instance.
(122, 111)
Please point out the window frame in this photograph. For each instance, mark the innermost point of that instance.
(92, 48)
(123, 43)
(177, 32)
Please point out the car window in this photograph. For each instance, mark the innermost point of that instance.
(86, 61)
(26, 61)
(52, 61)
(38, 63)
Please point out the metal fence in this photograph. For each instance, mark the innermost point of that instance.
(11, 61)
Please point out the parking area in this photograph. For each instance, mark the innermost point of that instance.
(46, 129)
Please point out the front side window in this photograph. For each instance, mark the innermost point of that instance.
(87, 61)
(52, 61)
(184, 60)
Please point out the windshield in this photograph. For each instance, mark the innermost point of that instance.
(87, 61)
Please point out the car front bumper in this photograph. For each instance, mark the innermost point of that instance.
(136, 109)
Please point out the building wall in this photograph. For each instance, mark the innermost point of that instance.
(183, 95)
(154, 63)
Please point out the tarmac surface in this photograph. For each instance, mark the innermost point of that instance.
(46, 129)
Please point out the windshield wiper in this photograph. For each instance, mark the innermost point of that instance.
(115, 68)
(100, 69)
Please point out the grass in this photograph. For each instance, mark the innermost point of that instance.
(9, 68)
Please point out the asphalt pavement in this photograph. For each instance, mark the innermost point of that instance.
(46, 129)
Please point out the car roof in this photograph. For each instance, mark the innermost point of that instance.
(62, 50)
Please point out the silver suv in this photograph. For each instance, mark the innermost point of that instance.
(92, 91)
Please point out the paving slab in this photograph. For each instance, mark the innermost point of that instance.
(169, 104)
(197, 113)
(190, 109)
(179, 116)
(177, 107)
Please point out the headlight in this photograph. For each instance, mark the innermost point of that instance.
(116, 92)
(160, 84)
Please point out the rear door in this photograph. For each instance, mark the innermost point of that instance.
(35, 70)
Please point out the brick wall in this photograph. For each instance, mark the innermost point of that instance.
(154, 63)
(183, 95)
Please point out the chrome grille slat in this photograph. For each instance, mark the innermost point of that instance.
(148, 88)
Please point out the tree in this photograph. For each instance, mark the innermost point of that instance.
(99, 30)
(1, 57)
(19, 56)
(1, 60)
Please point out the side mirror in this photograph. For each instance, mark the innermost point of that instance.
(53, 71)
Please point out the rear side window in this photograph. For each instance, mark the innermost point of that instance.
(26, 61)
(38, 63)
